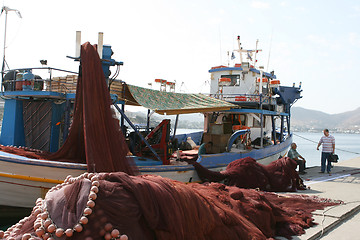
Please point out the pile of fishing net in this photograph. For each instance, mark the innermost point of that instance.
(120, 206)
(278, 176)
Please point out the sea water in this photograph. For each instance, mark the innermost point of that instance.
(347, 146)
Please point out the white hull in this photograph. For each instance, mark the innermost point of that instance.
(21, 184)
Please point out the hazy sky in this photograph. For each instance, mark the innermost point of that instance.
(313, 42)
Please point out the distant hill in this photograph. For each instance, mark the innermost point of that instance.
(189, 121)
(303, 119)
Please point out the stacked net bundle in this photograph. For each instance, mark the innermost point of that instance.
(279, 175)
(151, 207)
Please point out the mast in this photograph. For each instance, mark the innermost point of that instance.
(249, 52)
(256, 51)
(239, 46)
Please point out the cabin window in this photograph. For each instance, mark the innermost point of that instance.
(256, 122)
(239, 119)
(235, 79)
(243, 119)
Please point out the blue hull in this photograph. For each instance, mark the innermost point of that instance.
(213, 161)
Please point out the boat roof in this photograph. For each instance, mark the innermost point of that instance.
(224, 68)
(171, 103)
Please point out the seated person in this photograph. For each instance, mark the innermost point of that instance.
(191, 142)
(248, 144)
(205, 148)
(293, 154)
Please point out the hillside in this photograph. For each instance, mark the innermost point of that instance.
(301, 120)
(306, 119)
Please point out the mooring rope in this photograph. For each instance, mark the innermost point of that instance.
(339, 149)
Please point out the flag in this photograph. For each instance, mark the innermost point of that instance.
(232, 56)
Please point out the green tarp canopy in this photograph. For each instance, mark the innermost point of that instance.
(171, 103)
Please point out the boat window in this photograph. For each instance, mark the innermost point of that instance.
(239, 119)
(235, 79)
(243, 119)
(256, 123)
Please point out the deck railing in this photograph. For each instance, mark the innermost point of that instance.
(47, 79)
(14, 80)
(246, 98)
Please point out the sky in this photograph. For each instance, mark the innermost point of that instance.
(316, 43)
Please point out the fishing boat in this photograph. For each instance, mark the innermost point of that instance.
(246, 114)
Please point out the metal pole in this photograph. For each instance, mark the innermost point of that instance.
(261, 123)
(262, 115)
(6, 9)
(175, 127)
(256, 50)
(273, 129)
(122, 122)
(282, 129)
(148, 121)
(3, 63)
(141, 136)
(240, 52)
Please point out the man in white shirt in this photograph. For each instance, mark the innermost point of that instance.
(328, 147)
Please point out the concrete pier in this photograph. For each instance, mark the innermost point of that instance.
(337, 222)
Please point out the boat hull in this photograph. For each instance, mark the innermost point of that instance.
(23, 180)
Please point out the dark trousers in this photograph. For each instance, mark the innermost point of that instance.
(325, 157)
(301, 164)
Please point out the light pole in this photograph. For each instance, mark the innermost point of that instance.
(6, 10)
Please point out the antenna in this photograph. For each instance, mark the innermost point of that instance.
(239, 45)
(220, 45)
(267, 67)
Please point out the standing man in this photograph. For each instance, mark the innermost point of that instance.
(328, 147)
(294, 155)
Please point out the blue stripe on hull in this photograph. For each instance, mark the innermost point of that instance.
(222, 159)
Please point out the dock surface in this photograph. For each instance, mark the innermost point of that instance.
(336, 222)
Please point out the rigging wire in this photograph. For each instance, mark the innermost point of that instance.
(339, 149)
(268, 61)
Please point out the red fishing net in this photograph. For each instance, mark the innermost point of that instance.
(152, 207)
(279, 175)
(95, 133)
(95, 137)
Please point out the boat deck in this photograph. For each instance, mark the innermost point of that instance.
(337, 222)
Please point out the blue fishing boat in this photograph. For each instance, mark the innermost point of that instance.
(246, 114)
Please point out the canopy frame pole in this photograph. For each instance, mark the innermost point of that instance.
(133, 127)
(282, 129)
(273, 129)
(148, 122)
(175, 127)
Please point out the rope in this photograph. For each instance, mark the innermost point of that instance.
(323, 217)
(339, 149)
